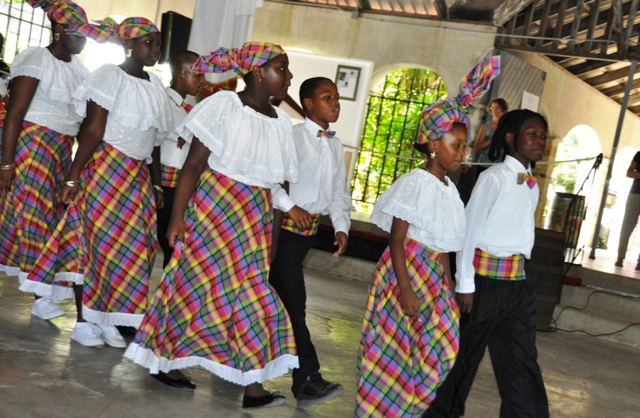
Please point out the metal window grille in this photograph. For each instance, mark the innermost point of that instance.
(22, 27)
(391, 126)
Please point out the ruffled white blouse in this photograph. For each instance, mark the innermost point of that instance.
(433, 210)
(51, 105)
(139, 110)
(245, 145)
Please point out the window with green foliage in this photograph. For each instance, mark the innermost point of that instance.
(391, 126)
(22, 27)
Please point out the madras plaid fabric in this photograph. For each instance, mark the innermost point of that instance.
(438, 118)
(526, 178)
(120, 230)
(186, 106)
(501, 268)
(289, 225)
(62, 261)
(130, 28)
(401, 363)
(214, 306)
(169, 176)
(73, 16)
(210, 89)
(328, 134)
(240, 60)
(29, 212)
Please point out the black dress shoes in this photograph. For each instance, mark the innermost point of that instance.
(269, 400)
(182, 383)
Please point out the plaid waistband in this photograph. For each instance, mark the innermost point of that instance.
(289, 225)
(500, 268)
(169, 176)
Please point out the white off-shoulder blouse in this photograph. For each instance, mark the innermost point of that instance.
(433, 210)
(52, 105)
(139, 110)
(245, 145)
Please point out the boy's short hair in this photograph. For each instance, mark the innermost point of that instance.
(178, 58)
(309, 87)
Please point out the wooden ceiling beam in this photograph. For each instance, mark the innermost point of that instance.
(619, 89)
(608, 77)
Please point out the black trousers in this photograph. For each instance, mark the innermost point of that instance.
(164, 217)
(502, 318)
(287, 278)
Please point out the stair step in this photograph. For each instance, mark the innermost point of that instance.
(596, 300)
(614, 328)
(606, 280)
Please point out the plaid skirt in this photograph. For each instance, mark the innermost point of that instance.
(214, 306)
(29, 212)
(119, 217)
(401, 362)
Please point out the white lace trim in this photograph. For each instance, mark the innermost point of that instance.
(275, 368)
(243, 140)
(112, 318)
(57, 79)
(131, 101)
(9, 271)
(433, 210)
(57, 293)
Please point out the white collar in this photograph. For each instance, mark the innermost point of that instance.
(174, 95)
(515, 165)
(313, 127)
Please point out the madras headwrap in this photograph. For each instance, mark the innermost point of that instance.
(73, 17)
(240, 60)
(438, 118)
(130, 28)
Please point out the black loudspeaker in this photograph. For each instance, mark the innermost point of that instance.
(175, 34)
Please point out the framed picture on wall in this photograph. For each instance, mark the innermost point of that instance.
(347, 79)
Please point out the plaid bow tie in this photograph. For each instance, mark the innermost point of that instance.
(328, 134)
(526, 178)
(186, 106)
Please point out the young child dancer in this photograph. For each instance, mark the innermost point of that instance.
(491, 281)
(321, 189)
(174, 149)
(39, 131)
(127, 116)
(410, 333)
(214, 307)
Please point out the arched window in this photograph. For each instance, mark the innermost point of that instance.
(391, 124)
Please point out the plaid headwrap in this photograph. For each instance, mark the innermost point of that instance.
(438, 118)
(73, 17)
(130, 28)
(241, 60)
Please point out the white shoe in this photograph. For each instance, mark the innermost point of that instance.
(111, 336)
(87, 334)
(46, 308)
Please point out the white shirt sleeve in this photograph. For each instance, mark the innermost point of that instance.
(281, 199)
(340, 208)
(476, 212)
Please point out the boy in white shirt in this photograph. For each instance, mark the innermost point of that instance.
(174, 149)
(321, 189)
(491, 285)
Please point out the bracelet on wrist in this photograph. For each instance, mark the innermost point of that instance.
(158, 188)
(7, 166)
(72, 183)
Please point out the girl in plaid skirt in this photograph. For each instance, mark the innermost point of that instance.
(410, 333)
(39, 131)
(127, 116)
(214, 307)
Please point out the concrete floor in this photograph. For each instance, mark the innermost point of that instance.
(44, 374)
